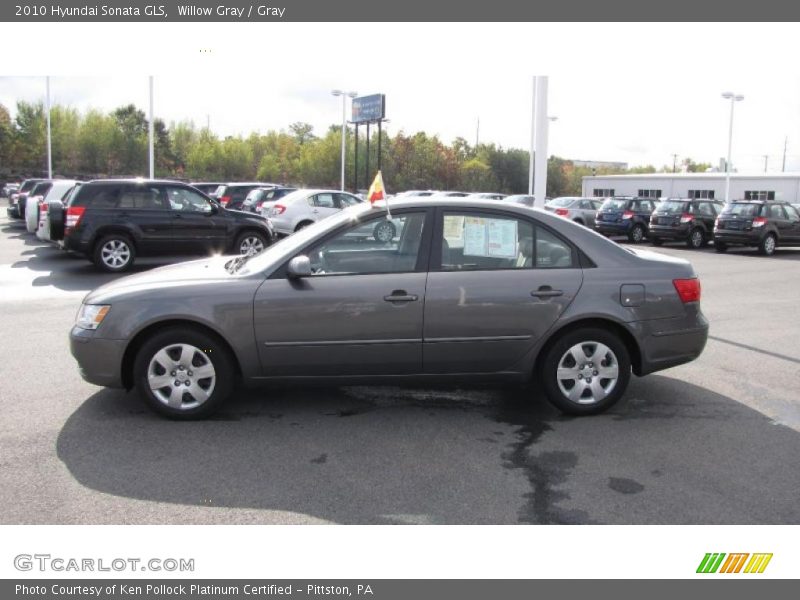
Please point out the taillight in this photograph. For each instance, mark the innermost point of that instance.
(759, 222)
(562, 212)
(628, 214)
(74, 214)
(224, 200)
(688, 289)
(278, 209)
(686, 218)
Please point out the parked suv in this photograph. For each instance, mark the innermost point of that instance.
(14, 207)
(113, 221)
(764, 224)
(625, 216)
(684, 219)
(232, 195)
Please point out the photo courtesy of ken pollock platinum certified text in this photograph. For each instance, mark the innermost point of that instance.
(193, 589)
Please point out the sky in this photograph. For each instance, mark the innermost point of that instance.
(638, 104)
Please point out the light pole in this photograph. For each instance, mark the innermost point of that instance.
(344, 96)
(733, 98)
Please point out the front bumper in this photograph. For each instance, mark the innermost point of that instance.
(99, 360)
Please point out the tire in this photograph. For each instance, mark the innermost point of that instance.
(656, 241)
(302, 225)
(55, 212)
(384, 232)
(696, 239)
(114, 253)
(720, 248)
(768, 245)
(568, 353)
(250, 243)
(579, 222)
(160, 359)
(637, 234)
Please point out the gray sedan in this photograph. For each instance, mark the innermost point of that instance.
(469, 291)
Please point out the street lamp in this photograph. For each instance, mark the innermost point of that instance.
(344, 96)
(733, 98)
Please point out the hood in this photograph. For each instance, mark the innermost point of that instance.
(205, 271)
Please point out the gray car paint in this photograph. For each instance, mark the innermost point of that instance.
(339, 328)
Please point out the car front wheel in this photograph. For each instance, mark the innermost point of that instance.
(251, 242)
(586, 371)
(183, 373)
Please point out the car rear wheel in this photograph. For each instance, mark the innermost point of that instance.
(183, 373)
(384, 232)
(696, 239)
(768, 245)
(302, 225)
(251, 242)
(579, 222)
(114, 253)
(586, 371)
(637, 234)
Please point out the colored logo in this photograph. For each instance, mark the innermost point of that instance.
(734, 563)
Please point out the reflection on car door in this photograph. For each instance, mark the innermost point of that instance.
(348, 319)
(197, 226)
(487, 301)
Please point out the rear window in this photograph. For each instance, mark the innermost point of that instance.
(560, 202)
(612, 204)
(674, 208)
(743, 209)
(41, 189)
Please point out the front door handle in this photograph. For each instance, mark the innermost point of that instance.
(401, 296)
(546, 291)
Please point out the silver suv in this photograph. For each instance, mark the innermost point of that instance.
(304, 207)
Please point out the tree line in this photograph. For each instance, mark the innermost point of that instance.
(105, 144)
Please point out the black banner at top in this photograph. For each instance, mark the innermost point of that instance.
(398, 11)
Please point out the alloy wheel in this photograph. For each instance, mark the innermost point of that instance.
(115, 254)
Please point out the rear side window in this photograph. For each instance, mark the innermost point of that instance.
(96, 196)
(322, 201)
(776, 212)
(143, 197)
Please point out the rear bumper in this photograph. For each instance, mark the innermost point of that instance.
(99, 360)
(668, 343)
(612, 228)
(747, 238)
(668, 233)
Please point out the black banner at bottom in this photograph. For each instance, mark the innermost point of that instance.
(390, 589)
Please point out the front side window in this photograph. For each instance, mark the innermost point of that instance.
(478, 241)
(363, 249)
(186, 200)
(345, 200)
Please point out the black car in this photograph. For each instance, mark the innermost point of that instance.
(264, 197)
(113, 221)
(765, 224)
(625, 215)
(684, 220)
(13, 209)
(232, 195)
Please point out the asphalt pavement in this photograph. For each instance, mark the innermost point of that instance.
(715, 441)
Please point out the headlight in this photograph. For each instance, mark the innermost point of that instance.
(91, 315)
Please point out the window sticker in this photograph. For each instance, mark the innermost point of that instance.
(502, 238)
(476, 242)
(454, 231)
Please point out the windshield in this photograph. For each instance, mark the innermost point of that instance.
(612, 204)
(742, 210)
(289, 245)
(673, 208)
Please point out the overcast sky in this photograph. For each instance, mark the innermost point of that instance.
(639, 105)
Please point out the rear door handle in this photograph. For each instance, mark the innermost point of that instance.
(401, 296)
(546, 291)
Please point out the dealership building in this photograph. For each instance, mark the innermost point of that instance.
(763, 186)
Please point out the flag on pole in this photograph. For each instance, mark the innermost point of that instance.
(377, 192)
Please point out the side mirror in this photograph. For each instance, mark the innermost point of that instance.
(299, 266)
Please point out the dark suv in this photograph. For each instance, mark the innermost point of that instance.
(111, 221)
(625, 216)
(684, 220)
(232, 195)
(21, 194)
(761, 223)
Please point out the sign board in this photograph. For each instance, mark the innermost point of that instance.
(369, 108)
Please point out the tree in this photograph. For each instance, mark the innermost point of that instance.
(302, 132)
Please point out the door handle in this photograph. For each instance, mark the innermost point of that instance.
(401, 296)
(546, 291)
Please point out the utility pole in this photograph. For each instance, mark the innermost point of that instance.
(785, 143)
(674, 162)
(49, 138)
(150, 133)
(766, 159)
(533, 140)
(477, 133)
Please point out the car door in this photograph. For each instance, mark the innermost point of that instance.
(323, 205)
(359, 314)
(197, 225)
(498, 282)
(705, 212)
(144, 209)
(587, 212)
(793, 234)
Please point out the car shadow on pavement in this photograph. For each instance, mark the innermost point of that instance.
(670, 452)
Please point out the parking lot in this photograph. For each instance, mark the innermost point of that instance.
(714, 441)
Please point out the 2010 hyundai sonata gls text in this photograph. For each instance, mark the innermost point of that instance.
(464, 291)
